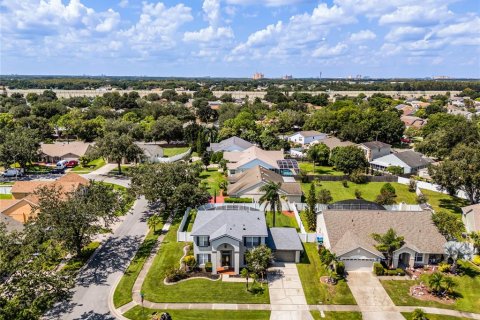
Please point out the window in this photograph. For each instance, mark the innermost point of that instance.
(203, 258)
(203, 241)
(418, 257)
(251, 242)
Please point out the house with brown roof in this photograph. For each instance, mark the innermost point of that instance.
(332, 142)
(471, 217)
(22, 207)
(348, 234)
(239, 161)
(412, 121)
(248, 183)
(54, 152)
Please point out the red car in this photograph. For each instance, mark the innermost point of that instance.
(406, 140)
(71, 163)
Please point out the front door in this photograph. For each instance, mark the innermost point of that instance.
(226, 258)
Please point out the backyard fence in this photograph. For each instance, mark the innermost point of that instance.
(429, 186)
(303, 234)
(184, 236)
(310, 178)
(5, 189)
(177, 157)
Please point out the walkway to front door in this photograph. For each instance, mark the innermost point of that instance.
(370, 295)
(286, 293)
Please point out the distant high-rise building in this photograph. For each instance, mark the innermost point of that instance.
(287, 77)
(258, 76)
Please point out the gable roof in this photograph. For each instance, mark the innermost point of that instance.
(413, 159)
(240, 158)
(375, 145)
(348, 230)
(150, 150)
(224, 145)
(306, 134)
(243, 181)
(60, 149)
(68, 182)
(284, 239)
(10, 223)
(332, 142)
(235, 224)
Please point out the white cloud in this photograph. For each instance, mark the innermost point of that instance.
(211, 8)
(417, 14)
(362, 35)
(268, 3)
(123, 3)
(209, 34)
(469, 27)
(405, 33)
(330, 52)
(110, 21)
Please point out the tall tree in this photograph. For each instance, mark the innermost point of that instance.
(324, 196)
(18, 146)
(448, 224)
(388, 243)
(310, 211)
(318, 153)
(348, 159)
(167, 128)
(271, 197)
(116, 147)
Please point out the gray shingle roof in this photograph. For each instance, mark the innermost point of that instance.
(375, 145)
(413, 159)
(233, 223)
(10, 223)
(227, 143)
(348, 230)
(284, 239)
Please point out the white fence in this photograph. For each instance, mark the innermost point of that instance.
(175, 158)
(303, 234)
(184, 236)
(430, 186)
(5, 189)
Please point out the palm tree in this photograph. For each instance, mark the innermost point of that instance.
(211, 133)
(388, 243)
(449, 284)
(475, 238)
(153, 221)
(271, 197)
(435, 282)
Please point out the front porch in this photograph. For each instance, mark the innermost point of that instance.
(225, 258)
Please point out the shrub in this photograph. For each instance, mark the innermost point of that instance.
(208, 267)
(419, 314)
(412, 186)
(395, 272)
(358, 177)
(395, 170)
(387, 187)
(358, 194)
(378, 269)
(444, 267)
(238, 200)
(175, 275)
(345, 183)
(476, 260)
(190, 261)
(340, 268)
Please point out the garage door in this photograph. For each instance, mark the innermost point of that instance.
(285, 256)
(359, 264)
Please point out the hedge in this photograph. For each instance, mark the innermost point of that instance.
(238, 200)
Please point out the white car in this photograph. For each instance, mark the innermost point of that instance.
(13, 172)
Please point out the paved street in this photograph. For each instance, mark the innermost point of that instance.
(94, 285)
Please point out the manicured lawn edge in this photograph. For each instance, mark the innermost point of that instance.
(311, 270)
(431, 316)
(123, 291)
(337, 315)
(136, 313)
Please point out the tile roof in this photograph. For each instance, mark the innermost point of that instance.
(284, 239)
(243, 181)
(60, 149)
(68, 182)
(348, 230)
(232, 223)
(239, 158)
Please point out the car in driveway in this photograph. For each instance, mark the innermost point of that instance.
(13, 172)
(71, 163)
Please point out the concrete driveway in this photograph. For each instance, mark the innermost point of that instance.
(286, 293)
(371, 297)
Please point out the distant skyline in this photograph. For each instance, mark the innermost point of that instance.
(236, 38)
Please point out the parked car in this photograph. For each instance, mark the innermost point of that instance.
(58, 171)
(13, 172)
(62, 164)
(72, 163)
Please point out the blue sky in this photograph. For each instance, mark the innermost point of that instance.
(235, 38)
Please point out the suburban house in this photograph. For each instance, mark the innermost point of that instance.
(152, 152)
(375, 149)
(347, 233)
(230, 144)
(239, 161)
(10, 223)
(332, 142)
(471, 217)
(247, 184)
(223, 234)
(21, 207)
(306, 137)
(406, 109)
(412, 121)
(410, 161)
(54, 152)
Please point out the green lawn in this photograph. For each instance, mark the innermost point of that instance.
(197, 290)
(123, 291)
(304, 221)
(190, 220)
(91, 166)
(441, 201)
(212, 178)
(369, 190)
(75, 263)
(38, 168)
(310, 270)
(467, 288)
(136, 314)
(431, 316)
(340, 315)
(6, 196)
(125, 169)
(170, 152)
(319, 170)
(282, 220)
